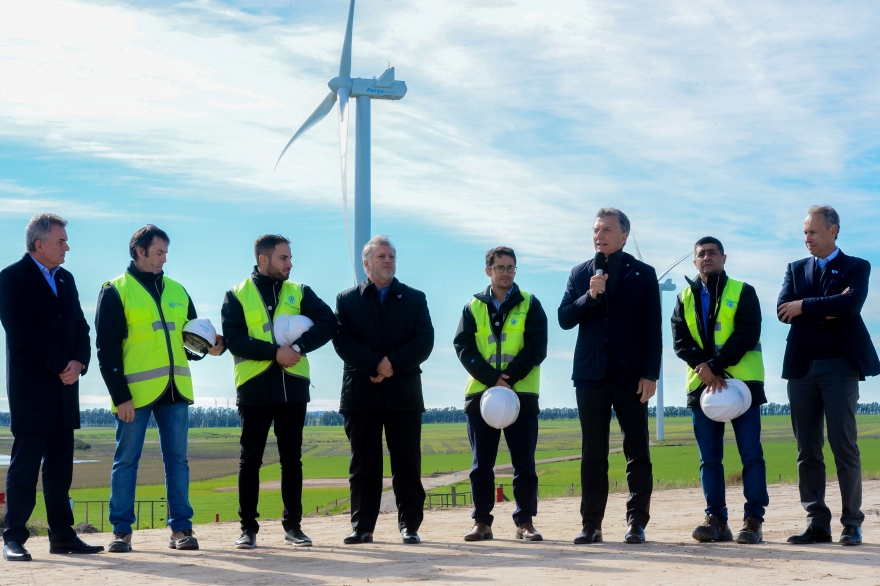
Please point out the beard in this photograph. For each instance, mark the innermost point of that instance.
(277, 274)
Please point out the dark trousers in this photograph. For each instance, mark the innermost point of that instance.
(594, 412)
(830, 391)
(256, 420)
(522, 439)
(403, 432)
(55, 451)
(710, 442)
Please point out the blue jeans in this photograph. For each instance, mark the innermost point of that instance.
(522, 439)
(710, 441)
(172, 419)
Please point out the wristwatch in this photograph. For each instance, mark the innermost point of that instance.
(296, 349)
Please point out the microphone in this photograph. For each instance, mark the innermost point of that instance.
(600, 263)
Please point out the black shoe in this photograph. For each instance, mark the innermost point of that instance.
(359, 537)
(712, 529)
(590, 534)
(752, 531)
(74, 545)
(811, 534)
(851, 535)
(15, 552)
(248, 540)
(297, 537)
(635, 534)
(409, 536)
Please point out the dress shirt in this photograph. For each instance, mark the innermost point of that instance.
(382, 292)
(49, 275)
(706, 301)
(497, 303)
(824, 261)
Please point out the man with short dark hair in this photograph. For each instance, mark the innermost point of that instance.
(828, 351)
(616, 365)
(385, 334)
(139, 323)
(716, 330)
(47, 350)
(272, 379)
(501, 342)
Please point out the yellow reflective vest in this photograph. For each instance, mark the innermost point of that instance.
(751, 367)
(153, 351)
(259, 326)
(501, 354)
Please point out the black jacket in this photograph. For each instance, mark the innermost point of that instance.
(400, 328)
(533, 353)
(623, 330)
(111, 330)
(43, 334)
(822, 292)
(275, 385)
(746, 334)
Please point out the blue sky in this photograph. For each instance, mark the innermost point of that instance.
(522, 118)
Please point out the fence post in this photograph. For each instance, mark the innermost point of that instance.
(453, 497)
(138, 522)
(152, 514)
(499, 493)
(102, 516)
(87, 512)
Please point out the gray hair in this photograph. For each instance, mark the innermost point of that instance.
(829, 213)
(614, 212)
(39, 228)
(377, 240)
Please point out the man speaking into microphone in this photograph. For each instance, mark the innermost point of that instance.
(614, 301)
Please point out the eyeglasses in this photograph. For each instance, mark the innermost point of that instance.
(510, 269)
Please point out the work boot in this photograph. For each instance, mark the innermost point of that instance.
(712, 529)
(121, 543)
(751, 531)
(480, 532)
(183, 540)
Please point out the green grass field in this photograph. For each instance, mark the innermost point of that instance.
(213, 455)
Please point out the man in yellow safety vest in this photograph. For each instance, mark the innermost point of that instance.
(501, 341)
(139, 325)
(716, 329)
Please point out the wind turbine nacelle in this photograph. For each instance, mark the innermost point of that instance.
(384, 88)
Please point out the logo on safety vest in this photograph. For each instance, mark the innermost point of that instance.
(730, 303)
(174, 304)
(291, 299)
(513, 322)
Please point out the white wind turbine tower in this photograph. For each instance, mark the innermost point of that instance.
(664, 286)
(342, 87)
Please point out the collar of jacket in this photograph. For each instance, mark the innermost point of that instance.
(713, 283)
(145, 279)
(616, 258)
(486, 297)
(367, 284)
(263, 279)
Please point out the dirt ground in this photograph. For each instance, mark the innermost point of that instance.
(669, 557)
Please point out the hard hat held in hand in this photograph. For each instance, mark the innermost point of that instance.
(729, 404)
(288, 328)
(499, 407)
(199, 335)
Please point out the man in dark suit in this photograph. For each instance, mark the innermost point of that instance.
(616, 365)
(828, 351)
(47, 350)
(385, 334)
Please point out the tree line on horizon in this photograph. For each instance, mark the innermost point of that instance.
(202, 417)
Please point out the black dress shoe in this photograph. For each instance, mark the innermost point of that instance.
(74, 545)
(15, 552)
(590, 534)
(359, 537)
(635, 534)
(851, 535)
(811, 534)
(409, 536)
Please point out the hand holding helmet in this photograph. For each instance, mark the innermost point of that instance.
(727, 404)
(200, 336)
(499, 407)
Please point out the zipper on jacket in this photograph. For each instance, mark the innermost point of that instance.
(167, 340)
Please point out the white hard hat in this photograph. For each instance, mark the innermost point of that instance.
(199, 335)
(729, 404)
(288, 328)
(499, 407)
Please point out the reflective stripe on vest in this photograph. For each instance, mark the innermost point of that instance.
(512, 342)
(751, 367)
(153, 350)
(256, 315)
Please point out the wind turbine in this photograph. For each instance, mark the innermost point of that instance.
(667, 285)
(342, 87)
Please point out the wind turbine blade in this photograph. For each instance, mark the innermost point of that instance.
(345, 62)
(343, 157)
(322, 110)
(636, 243)
(673, 265)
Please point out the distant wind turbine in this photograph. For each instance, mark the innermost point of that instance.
(342, 87)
